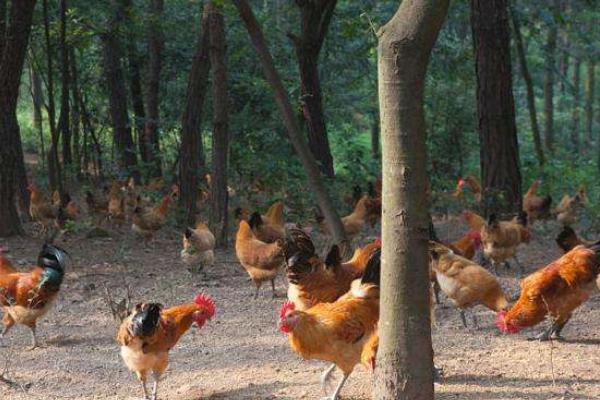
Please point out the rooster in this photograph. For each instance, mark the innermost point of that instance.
(535, 206)
(555, 290)
(26, 297)
(261, 260)
(336, 332)
(149, 332)
(500, 239)
(198, 248)
(465, 283)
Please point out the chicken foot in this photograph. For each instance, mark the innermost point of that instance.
(553, 332)
(338, 389)
(326, 377)
(156, 377)
(34, 342)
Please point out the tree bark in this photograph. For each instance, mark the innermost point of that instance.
(405, 355)
(549, 79)
(535, 130)
(155, 46)
(64, 118)
(589, 102)
(315, 20)
(575, 110)
(375, 136)
(499, 149)
(37, 100)
(137, 103)
(191, 152)
(76, 115)
(117, 94)
(219, 196)
(2, 25)
(291, 122)
(11, 153)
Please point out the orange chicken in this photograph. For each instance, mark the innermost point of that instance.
(535, 206)
(475, 221)
(26, 297)
(40, 209)
(6, 266)
(566, 210)
(146, 222)
(464, 282)
(198, 248)
(149, 332)
(500, 239)
(261, 260)
(336, 332)
(468, 245)
(354, 222)
(555, 290)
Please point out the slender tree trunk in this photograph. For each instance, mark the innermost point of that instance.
(191, 152)
(14, 50)
(155, 46)
(137, 103)
(535, 130)
(219, 197)
(315, 20)
(76, 116)
(64, 118)
(375, 136)
(2, 25)
(589, 102)
(501, 175)
(550, 64)
(575, 110)
(86, 121)
(565, 50)
(291, 122)
(37, 100)
(405, 355)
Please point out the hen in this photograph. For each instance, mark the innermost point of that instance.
(566, 210)
(198, 248)
(475, 221)
(40, 209)
(261, 260)
(353, 223)
(26, 297)
(567, 239)
(6, 266)
(536, 207)
(555, 290)
(146, 222)
(148, 334)
(500, 239)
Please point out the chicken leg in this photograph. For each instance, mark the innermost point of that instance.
(326, 376)
(156, 377)
(338, 389)
(34, 342)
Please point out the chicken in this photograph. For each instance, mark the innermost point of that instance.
(264, 230)
(97, 203)
(198, 248)
(149, 332)
(241, 214)
(26, 297)
(261, 260)
(312, 280)
(116, 203)
(352, 199)
(464, 282)
(40, 209)
(535, 206)
(500, 239)
(472, 183)
(146, 222)
(354, 222)
(6, 266)
(566, 210)
(336, 332)
(555, 290)
(467, 245)
(475, 221)
(567, 239)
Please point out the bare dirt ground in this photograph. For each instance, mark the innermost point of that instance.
(240, 354)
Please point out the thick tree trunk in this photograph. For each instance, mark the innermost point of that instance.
(550, 64)
(219, 197)
(155, 46)
(64, 118)
(575, 107)
(11, 153)
(315, 20)
(501, 175)
(291, 122)
(589, 102)
(405, 355)
(76, 116)
(535, 130)
(191, 151)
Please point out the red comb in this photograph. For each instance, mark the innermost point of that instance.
(474, 235)
(286, 307)
(206, 302)
(377, 242)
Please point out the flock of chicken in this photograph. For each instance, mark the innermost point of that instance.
(332, 306)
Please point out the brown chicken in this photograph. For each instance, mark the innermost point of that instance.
(6, 266)
(567, 239)
(40, 209)
(26, 297)
(536, 207)
(146, 222)
(354, 222)
(261, 260)
(468, 245)
(500, 239)
(336, 332)
(116, 203)
(566, 210)
(464, 282)
(198, 248)
(471, 183)
(475, 221)
(312, 280)
(148, 334)
(264, 229)
(555, 290)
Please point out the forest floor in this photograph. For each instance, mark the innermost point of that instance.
(240, 354)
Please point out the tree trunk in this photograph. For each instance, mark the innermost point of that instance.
(315, 20)
(589, 102)
(76, 117)
(219, 197)
(550, 64)
(155, 46)
(291, 122)
(117, 95)
(11, 153)
(405, 355)
(64, 118)
(575, 106)
(37, 100)
(535, 130)
(2, 25)
(191, 151)
(137, 103)
(375, 136)
(501, 175)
